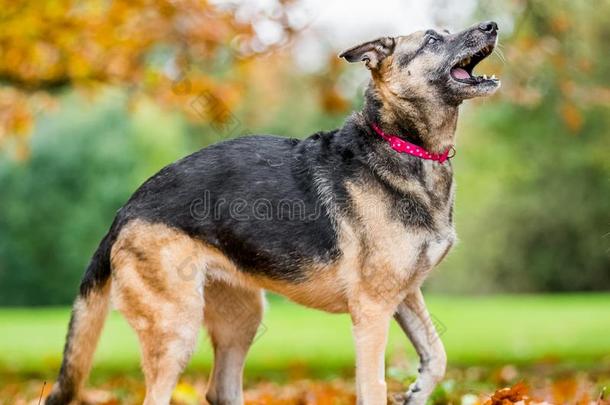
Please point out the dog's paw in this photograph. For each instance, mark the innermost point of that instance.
(411, 397)
(398, 399)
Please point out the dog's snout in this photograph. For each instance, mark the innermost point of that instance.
(488, 27)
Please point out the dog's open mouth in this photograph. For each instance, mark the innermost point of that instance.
(463, 70)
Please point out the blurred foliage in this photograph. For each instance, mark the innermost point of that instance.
(533, 169)
(56, 204)
(532, 165)
(171, 50)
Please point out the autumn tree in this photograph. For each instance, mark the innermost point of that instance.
(170, 50)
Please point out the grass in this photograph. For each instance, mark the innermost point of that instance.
(476, 330)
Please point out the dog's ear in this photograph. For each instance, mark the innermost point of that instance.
(371, 53)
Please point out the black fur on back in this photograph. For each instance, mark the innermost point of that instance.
(268, 203)
(98, 270)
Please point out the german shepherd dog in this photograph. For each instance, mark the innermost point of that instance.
(347, 221)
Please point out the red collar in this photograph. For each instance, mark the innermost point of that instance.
(402, 146)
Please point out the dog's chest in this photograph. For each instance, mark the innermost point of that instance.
(435, 247)
(437, 240)
(416, 251)
(408, 223)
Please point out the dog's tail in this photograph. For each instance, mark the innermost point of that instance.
(86, 323)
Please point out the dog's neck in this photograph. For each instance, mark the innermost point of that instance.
(430, 126)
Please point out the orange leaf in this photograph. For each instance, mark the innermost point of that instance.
(508, 396)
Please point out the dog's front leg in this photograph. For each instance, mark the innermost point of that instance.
(370, 323)
(413, 317)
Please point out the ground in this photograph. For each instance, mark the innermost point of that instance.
(558, 346)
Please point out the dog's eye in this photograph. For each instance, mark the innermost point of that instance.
(431, 40)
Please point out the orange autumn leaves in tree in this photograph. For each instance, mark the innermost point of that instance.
(166, 49)
(555, 57)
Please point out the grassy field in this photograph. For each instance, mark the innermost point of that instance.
(480, 330)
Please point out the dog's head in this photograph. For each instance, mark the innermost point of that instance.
(431, 63)
(420, 79)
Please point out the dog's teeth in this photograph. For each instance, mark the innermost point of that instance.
(493, 77)
(484, 77)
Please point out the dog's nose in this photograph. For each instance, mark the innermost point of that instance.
(488, 27)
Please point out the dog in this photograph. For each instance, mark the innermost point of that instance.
(346, 221)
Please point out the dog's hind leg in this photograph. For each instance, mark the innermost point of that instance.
(158, 287)
(232, 316)
(414, 319)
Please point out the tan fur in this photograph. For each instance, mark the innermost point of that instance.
(160, 298)
(384, 273)
(370, 320)
(400, 250)
(232, 316)
(89, 314)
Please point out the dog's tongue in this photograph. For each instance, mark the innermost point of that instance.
(459, 73)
